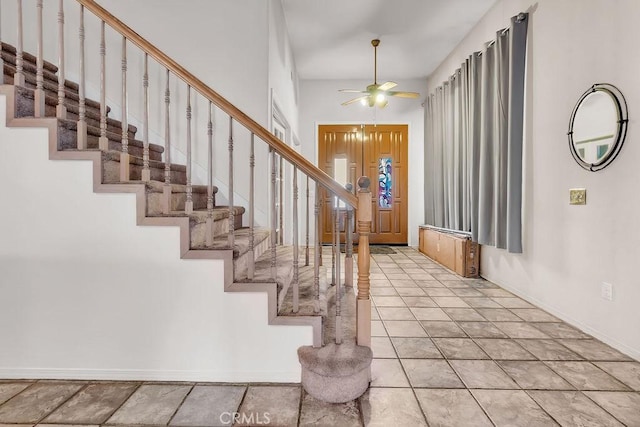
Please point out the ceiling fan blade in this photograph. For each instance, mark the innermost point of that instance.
(352, 91)
(351, 101)
(387, 85)
(403, 94)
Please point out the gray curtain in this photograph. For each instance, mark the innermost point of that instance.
(473, 137)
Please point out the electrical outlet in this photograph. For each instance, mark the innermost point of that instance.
(606, 291)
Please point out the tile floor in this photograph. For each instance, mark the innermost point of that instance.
(447, 352)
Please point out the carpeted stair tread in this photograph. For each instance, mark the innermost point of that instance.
(26, 109)
(262, 267)
(134, 160)
(93, 133)
(306, 289)
(50, 84)
(241, 241)
(200, 216)
(10, 50)
(158, 187)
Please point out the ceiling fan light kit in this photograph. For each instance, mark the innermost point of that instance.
(376, 95)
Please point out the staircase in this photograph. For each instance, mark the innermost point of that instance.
(336, 367)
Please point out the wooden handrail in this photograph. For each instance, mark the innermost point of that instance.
(280, 147)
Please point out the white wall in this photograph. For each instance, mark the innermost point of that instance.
(570, 250)
(320, 104)
(85, 293)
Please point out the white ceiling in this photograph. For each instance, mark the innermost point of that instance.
(331, 39)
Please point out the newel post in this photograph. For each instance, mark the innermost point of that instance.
(363, 308)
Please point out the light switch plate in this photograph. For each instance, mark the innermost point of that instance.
(578, 196)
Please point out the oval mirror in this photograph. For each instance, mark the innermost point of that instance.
(598, 126)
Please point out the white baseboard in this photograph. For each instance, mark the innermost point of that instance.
(629, 351)
(149, 375)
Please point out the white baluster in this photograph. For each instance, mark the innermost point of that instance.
(273, 216)
(38, 95)
(61, 109)
(210, 178)
(296, 271)
(188, 205)
(18, 77)
(306, 250)
(166, 190)
(338, 280)
(103, 141)
(316, 253)
(231, 212)
(348, 258)
(124, 156)
(252, 163)
(146, 172)
(82, 109)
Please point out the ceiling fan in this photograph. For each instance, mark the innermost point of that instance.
(376, 94)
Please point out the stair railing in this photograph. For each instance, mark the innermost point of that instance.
(280, 152)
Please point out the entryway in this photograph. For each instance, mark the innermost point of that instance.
(380, 152)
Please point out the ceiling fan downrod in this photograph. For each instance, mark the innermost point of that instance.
(375, 43)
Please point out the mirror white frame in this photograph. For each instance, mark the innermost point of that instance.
(603, 109)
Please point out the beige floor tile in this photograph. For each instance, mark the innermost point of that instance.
(278, 404)
(482, 302)
(450, 302)
(534, 315)
(439, 329)
(429, 313)
(534, 376)
(572, 408)
(500, 293)
(428, 284)
(627, 372)
(8, 390)
(451, 408)
(467, 292)
(404, 283)
(498, 315)
(481, 330)
(404, 328)
(317, 413)
(464, 314)
(520, 330)
(561, 330)
(586, 376)
(548, 350)
(385, 407)
(410, 292)
(388, 301)
(431, 373)
(36, 402)
(387, 291)
(512, 302)
(419, 302)
(209, 405)
(415, 348)
(395, 313)
(382, 348)
(512, 408)
(459, 348)
(595, 350)
(482, 374)
(387, 373)
(92, 405)
(504, 349)
(377, 329)
(151, 404)
(624, 406)
(397, 276)
(439, 292)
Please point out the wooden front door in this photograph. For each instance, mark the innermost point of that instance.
(379, 152)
